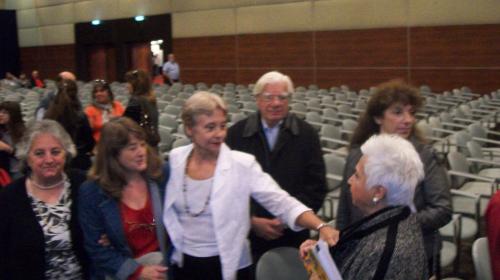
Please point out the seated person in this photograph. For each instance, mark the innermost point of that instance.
(387, 242)
(103, 107)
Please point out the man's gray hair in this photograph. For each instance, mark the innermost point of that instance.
(44, 127)
(271, 78)
(393, 162)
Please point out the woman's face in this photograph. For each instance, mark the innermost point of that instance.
(134, 156)
(4, 117)
(46, 157)
(361, 197)
(102, 96)
(397, 119)
(209, 132)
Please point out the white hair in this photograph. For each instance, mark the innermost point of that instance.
(393, 162)
(271, 78)
(44, 127)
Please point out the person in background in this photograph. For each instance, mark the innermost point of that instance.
(171, 70)
(40, 236)
(23, 81)
(141, 107)
(391, 110)
(103, 107)
(289, 150)
(49, 97)
(35, 80)
(11, 130)
(207, 210)
(386, 243)
(67, 110)
(122, 201)
(492, 217)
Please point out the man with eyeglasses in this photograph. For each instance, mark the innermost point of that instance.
(289, 150)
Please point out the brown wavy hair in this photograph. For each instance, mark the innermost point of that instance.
(15, 126)
(141, 84)
(387, 94)
(107, 170)
(66, 107)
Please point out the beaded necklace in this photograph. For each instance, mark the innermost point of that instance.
(184, 193)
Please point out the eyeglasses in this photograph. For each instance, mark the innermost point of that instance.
(100, 82)
(268, 97)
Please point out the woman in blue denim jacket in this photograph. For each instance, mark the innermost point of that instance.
(121, 205)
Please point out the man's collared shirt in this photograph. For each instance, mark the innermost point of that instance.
(271, 133)
(172, 70)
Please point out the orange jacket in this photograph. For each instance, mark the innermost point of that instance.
(94, 114)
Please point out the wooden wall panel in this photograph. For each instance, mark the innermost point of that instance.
(276, 50)
(479, 80)
(455, 46)
(206, 52)
(444, 57)
(298, 76)
(357, 78)
(208, 76)
(48, 60)
(384, 47)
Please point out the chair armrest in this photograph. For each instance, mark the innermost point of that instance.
(484, 140)
(334, 177)
(485, 161)
(332, 119)
(472, 176)
(336, 152)
(333, 140)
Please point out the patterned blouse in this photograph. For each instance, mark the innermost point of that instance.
(61, 260)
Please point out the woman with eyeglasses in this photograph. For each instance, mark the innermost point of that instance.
(121, 205)
(103, 107)
(142, 105)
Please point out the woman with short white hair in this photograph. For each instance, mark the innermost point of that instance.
(387, 242)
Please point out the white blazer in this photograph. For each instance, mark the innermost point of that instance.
(237, 177)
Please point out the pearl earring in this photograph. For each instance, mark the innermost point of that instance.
(375, 200)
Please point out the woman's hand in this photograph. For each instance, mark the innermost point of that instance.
(269, 229)
(154, 272)
(306, 246)
(6, 147)
(104, 240)
(329, 234)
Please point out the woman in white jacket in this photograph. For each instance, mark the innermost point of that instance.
(207, 202)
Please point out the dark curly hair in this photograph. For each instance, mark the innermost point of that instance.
(387, 94)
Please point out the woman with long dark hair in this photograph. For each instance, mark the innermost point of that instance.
(142, 105)
(11, 130)
(66, 109)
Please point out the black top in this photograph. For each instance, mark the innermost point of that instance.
(22, 245)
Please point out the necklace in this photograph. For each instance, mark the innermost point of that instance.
(184, 194)
(49, 187)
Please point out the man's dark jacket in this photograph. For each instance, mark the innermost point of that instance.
(296, 161)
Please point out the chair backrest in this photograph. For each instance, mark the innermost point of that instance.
(313, 117)
(282, 263)
(181, 142)
(475, 150)
(476, 130)
(458, 162)
(349, 125)
(481, 259)
(335, 165)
